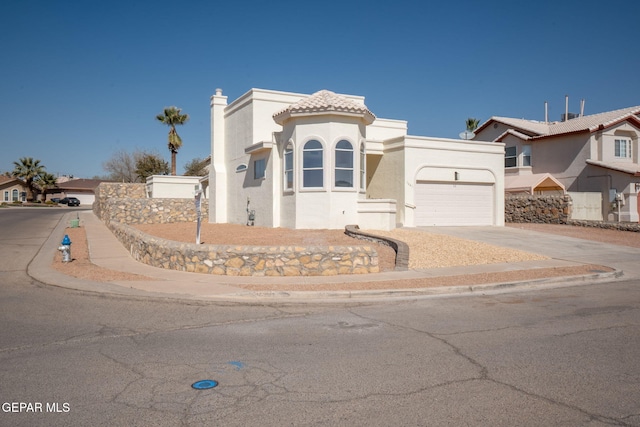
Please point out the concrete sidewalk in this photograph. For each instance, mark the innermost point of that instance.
(107, 252)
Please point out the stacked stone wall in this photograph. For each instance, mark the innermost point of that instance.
(246, 260)
(622, 226)
(119, 205)
(127, 203)
(538, 209)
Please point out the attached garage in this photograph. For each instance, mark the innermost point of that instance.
(85, 198)
(454, 203)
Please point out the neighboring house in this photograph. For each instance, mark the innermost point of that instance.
(12, 189)
(82, 189)
(595, 153)
(281, 159)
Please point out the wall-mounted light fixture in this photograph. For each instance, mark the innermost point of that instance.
(456, 176)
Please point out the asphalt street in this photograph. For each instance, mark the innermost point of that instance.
(563, 356)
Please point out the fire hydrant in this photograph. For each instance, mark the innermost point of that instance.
(66, 249)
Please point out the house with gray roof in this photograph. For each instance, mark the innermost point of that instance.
(283, 159)
(589, 153)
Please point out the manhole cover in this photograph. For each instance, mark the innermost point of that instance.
(204, 384)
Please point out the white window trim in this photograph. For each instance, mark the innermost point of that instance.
(292, 170)
(627, 147)
(336, 168)
(264, 169)
(515, 156)
(362, 169)
(301, 169)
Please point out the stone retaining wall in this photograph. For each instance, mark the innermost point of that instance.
(401, 248)
(127, 203)
(121, 204)
(622, 226)
(538, 209)
(246, 260)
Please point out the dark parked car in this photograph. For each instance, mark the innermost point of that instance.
(56, 200)
(70, 201)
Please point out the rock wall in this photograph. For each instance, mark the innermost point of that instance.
(246, 260)
(127, 203)
(401, 248)
(539, 209)
(622, 226)
(121, 204)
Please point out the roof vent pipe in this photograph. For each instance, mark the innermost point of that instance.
(581, 107)
(566, 107)
(546, 112)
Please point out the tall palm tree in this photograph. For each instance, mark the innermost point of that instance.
(46, 181)
(28, 169)
(171, 117)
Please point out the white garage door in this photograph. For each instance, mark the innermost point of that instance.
(85, 199)
(449, 204)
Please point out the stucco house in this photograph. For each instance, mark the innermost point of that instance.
(12, 189)
(80, 188)
(587, 153)
(282, 159)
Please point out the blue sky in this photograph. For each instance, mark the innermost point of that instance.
(83, 79)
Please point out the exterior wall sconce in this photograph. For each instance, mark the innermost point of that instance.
(456, 176)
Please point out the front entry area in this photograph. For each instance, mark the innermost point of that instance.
(453, 204)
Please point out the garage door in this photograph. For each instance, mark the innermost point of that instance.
(85, 199)
(452, 204)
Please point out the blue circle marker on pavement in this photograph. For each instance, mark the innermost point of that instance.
(204, 384)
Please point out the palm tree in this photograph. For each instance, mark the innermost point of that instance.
(472, 124)
(171, 117)
(29, 170)
(46, 181)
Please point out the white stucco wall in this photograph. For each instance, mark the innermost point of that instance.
(171, 187)
(394, 162)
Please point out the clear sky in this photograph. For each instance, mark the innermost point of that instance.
(83, 79)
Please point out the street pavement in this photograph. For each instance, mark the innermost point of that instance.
(537, 355)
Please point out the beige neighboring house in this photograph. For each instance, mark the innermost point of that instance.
(82, 189)
(282, 159)
(597, 153)
(12, 189)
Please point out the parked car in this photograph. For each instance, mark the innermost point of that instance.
(70, 201)
(56, 200)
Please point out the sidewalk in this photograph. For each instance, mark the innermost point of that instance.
(107, 252)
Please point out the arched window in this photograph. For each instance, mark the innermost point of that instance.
(344, 164)
(14, 195)
(363, 160)
(288, 167)
(312, 171)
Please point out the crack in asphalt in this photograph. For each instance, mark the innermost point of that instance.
(485, 376)
(94, 338)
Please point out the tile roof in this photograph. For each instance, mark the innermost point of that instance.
(529, 183)
(627, 167)
(80, 184)
(4, 179)
(588, 123)
(325, 101)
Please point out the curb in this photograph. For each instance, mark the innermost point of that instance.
(40, 269)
